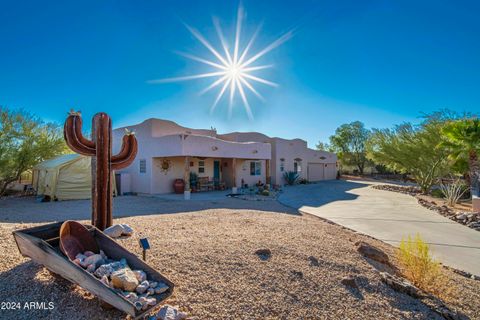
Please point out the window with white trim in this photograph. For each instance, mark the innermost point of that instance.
(201, 166)
(255, 168)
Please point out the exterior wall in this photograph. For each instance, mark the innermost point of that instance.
(159, 139)
(162, 182)
(291, 150)
(140, 182)
(243, 172)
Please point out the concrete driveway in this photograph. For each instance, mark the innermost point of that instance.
(388, 216)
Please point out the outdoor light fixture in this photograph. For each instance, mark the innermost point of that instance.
(145, 245)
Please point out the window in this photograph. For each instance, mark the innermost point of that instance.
(282, 165)
(255, 168)
(143, 166)
(201, 166)
(297, 166)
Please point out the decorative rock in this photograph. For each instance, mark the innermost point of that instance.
(127, 230)
(313, 261)
(118, 230)
(124, 279)
(153, 284)
(80, 257)
(132, 297)
(93, 259)
(104, 256)
(77, 262)
(91, 268)
(141, 275)
(104, 270)
(151, 301)
(401, 285)
(150, 291)
(88, 253)
(168, 312)
(263, 254)
(114, 231)
(372, 252)
(350, 282)
(161, 288)
(141, 288)
(105, 281)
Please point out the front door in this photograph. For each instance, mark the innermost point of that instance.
(216, 172)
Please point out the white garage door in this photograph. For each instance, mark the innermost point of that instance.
(330, 171)
(315, 172)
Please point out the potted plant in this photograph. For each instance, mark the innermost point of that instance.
(193, 181)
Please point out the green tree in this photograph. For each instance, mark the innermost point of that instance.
(349, 142)
(323, 146)
(411, 149)
(25, 140)
(462, 138)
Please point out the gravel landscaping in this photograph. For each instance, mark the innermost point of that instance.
(265, 262)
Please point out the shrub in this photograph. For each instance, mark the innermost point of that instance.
(291, 177)
(421, 269)
(437, 193)
(265, 192)
(453, 191)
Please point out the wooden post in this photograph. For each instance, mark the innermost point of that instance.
(234, 175)
(186, 174)
(267, 171)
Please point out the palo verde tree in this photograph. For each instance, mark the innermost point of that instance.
(411, 149)
(349, 142)
(25, 140)
(462, 138)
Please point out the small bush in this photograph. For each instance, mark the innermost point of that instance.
(437, 193)
(265, 193)
(453, 191)
(421, 269)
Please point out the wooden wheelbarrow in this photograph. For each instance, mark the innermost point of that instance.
(42, 245)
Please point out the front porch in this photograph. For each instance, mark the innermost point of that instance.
(207, 174)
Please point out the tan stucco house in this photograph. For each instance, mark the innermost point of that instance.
(168, 151)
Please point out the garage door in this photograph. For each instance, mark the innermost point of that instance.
(315, 171)
(330, 171)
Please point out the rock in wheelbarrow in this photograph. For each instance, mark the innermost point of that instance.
(43, 245)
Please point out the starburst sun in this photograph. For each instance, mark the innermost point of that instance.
(234, 71)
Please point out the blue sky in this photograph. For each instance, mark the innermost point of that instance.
(380, 62)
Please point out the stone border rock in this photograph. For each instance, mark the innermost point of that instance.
(401, 285)
(469, 219)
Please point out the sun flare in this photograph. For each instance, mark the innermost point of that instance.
(233, 69)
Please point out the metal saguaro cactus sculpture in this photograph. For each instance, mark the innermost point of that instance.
(100, 149)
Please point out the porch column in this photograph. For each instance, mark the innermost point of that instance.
(234, 175)
(186, 179)
(267, 171)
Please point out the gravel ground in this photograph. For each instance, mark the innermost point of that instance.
(209, 253)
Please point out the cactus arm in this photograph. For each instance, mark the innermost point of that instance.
(126, 156)
(124, 150)
(77, 123)
(72, 139)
